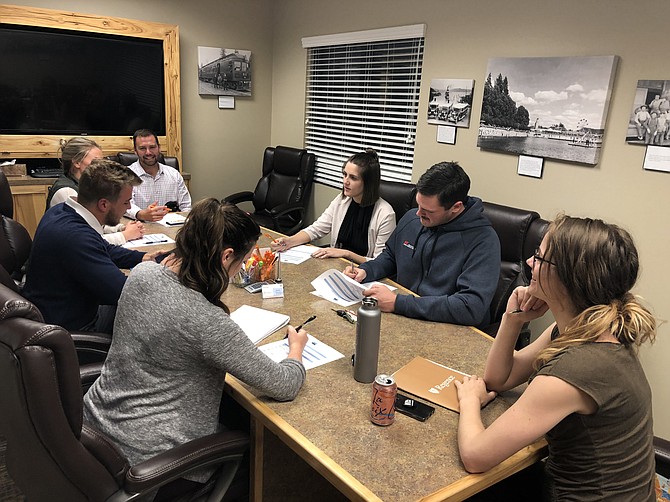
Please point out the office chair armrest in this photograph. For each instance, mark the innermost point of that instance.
(175, 463)
(91, 347)
(89, 373)
(238, 197)
(283, 210)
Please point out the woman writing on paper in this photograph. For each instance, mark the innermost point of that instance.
(162, 382)
(76, 155)
(358, 220)
(587, 391)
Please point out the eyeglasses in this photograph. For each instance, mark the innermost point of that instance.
(537, 257)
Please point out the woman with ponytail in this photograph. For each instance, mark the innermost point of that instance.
(587, 391)
(174, 342)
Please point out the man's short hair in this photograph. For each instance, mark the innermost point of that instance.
(448, 181)
(144, 133)
(104, 179)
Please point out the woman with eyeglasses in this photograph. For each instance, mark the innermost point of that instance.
(358, 220)
(587, 392)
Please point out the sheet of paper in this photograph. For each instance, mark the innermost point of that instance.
(315, 354)
(298, 254)
(172, 220)
(530, 166)
(446, 134)
(149, 240)
(657, 158)
(336, 287)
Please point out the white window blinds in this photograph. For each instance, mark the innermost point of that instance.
(363, 92)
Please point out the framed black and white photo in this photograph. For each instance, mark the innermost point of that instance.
(224, 72)
(649, 122)
(450, 102)
(550, 107)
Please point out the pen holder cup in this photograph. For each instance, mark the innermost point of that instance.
(257, 270)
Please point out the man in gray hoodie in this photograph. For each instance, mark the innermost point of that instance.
(446, 251)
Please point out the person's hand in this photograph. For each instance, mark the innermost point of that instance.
(152, 213)
(530, 306)
(134, 230)
(280, 244)
(296, 342)
(330, 253)
(152, 256)
(356, 273)
(385, 297)
(473, 388)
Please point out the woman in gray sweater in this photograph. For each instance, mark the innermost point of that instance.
(174, 342)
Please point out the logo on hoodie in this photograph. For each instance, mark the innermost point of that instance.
(408, 245)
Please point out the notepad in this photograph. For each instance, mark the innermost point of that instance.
(257, 323)
(172, 219)
(430, 381)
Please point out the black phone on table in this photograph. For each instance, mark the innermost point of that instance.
(413, 408)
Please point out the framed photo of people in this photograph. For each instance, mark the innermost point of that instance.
(649, 121)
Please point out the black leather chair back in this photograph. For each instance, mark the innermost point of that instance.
(287, 178)
(15, 245)
(512, 226)
(6, 199)
(536, 230)
(401, 196)
(42, 409)
(127, 158)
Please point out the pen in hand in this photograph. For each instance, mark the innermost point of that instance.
(310, 319)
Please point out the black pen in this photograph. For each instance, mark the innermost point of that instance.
(300, 327)
(308, 320)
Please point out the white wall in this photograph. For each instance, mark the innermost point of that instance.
(460, 38)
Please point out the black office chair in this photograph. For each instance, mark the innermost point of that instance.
(513, 227)
(51, 454)
(6, 199)
(281, 196)
(401, 196)
(15, 245)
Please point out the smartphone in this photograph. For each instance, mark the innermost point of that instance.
(413, 408)
(160, 257)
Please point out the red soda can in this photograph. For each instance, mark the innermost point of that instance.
(384, 390)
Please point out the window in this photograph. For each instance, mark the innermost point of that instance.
(363, 92)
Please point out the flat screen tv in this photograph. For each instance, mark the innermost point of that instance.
(60, 82)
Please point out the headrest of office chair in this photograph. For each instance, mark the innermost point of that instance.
(127, 158)
(511, 224)
(12, 304)
(287, 160)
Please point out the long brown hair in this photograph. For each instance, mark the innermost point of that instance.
(210, 228)
(598, 265)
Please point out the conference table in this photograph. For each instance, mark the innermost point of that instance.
(328, 424)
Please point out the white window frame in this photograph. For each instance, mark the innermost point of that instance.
(350, 107)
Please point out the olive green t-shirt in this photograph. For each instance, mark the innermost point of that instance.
(608, 455)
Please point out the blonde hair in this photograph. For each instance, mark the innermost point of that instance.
(74, 150)
(598, 264)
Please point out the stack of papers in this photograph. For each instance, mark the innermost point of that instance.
(149, 240)
(298, 254)
(257, 323)
(315, 354)
(336, 287)
(172, 219)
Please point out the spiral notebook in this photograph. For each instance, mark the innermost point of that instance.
(257, 323)
(431, 381)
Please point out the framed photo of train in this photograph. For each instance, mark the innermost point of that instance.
(224, 72)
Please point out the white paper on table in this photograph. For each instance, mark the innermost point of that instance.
(336, 287)
(172, 220)
(315, 354)
(149, 240)
(297, 255)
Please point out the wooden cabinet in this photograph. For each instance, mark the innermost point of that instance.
(30, 199)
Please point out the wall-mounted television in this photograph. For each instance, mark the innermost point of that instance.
(61, 82)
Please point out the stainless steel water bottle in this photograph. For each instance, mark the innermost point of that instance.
(367, 341)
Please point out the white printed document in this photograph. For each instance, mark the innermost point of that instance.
(338, 288)
(149, 240)
(257, 323)
(298, 254)
(315, 354)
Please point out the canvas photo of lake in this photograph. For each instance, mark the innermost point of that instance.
(550, 107)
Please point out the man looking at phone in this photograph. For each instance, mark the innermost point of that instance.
(446, 251)
(161, 185)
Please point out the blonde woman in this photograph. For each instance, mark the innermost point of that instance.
(587, 393)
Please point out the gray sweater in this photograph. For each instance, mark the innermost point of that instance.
(162, 382)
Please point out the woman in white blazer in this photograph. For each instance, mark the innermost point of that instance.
(358, 220)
